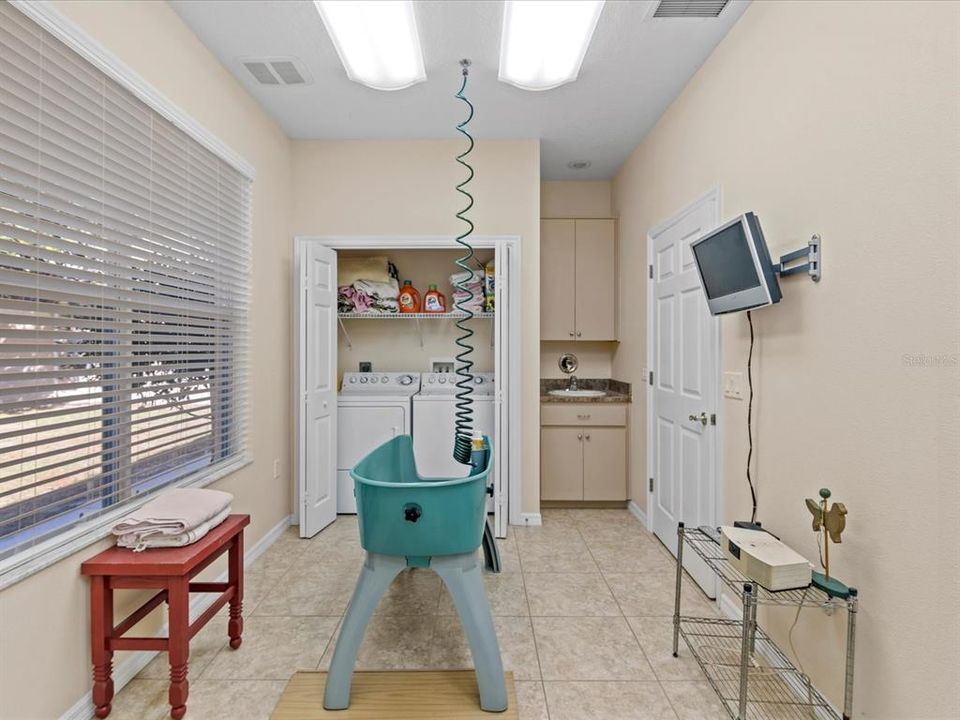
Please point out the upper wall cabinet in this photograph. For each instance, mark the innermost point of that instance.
(578, 280)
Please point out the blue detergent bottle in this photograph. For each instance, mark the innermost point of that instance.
(478, 452)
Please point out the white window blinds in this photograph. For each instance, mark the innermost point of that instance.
(124, 252)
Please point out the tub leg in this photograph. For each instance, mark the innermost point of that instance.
(375, 577)
(464, 579)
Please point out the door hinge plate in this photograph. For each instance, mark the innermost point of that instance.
(651, 272)
(651, 484)
(713, 418)
(650, 379)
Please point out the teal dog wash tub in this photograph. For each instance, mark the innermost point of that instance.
(406, 520)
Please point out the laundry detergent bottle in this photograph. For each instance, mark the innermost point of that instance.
(409, 298)
(434, 301)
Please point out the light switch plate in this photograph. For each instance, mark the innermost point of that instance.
(733, 385)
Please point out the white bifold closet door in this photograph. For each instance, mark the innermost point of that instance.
(315, 306)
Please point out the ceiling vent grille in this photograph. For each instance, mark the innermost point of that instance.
(276, 71)
(689, 8)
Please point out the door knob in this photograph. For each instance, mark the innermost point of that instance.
(701, 418)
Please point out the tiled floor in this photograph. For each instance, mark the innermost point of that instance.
(583, 615)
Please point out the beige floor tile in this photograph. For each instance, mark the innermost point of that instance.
(531, 702)
(451, 651)
(276, 560)
(570, 594)
(630, 555)
(694, 700)
(548, 533)
(341, 558)
(654, 593)
(509, 557)
(141, 700)
(233, 699)
(203, 648)
(607, 701)
(298, 594)
(504, 591)
(561, 557)
(274, 648)
(589, 649)
(413, 592)
(656, 638)
(392, 642)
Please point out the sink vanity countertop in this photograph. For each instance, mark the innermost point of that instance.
(613, 391)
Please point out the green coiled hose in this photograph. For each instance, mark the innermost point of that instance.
(464, 365)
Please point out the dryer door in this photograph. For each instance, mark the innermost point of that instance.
(360, 429)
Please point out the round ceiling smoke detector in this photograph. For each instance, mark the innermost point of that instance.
(579, 164)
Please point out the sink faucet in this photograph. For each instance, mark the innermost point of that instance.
(573, 383)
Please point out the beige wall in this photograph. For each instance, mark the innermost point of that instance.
(406, 187)
(577, 199)
(573, 199)
(44, 646)
(839, 118)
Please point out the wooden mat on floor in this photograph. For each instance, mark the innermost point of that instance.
(406, 695)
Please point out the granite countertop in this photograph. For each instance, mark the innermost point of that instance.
(617, 391)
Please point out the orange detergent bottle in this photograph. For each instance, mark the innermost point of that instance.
(434, 301)
(409, 298)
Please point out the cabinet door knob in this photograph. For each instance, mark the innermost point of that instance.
(580, 436)
(578, 333)
(588, 437)
(571, 333)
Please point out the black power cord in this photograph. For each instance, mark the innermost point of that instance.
(753, 492)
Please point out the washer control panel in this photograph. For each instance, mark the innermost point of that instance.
(379, 383)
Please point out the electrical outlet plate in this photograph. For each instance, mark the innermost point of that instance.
(442, 365)
(733, 385)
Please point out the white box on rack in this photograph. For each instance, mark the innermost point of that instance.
(765, 559)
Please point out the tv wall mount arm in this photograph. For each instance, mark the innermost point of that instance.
(811, 267)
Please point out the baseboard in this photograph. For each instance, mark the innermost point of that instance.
(531, 519)
(126, 671)
(637, 512)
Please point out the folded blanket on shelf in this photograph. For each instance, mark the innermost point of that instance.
(351, 269)
(173, 513)
(139, 544)
(380, 290)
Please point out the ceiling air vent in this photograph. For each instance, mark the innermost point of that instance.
(276, 71)
(689, 8)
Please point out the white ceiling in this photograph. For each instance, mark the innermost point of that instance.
(635, 67)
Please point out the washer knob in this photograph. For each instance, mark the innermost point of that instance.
(384, 379)
(353, 380)
(432, 379)
(405, 380)
(363, 380)
(478, 381)
(374, 379)
(442, 379)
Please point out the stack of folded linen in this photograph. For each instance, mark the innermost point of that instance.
(177, 517)
(473, 285)
(367, 285)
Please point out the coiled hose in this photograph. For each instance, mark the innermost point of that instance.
(464, 365)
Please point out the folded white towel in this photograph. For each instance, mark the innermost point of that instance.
(139, 544)
(174, 512)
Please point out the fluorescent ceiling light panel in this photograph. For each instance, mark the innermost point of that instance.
(543, 42)
(376, 40)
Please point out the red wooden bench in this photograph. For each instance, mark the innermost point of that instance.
(169, 570)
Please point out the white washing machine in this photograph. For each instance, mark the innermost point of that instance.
(434, 417)
(372, 408)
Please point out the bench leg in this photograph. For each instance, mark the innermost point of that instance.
(235, 569)
(101, 629)
(464, 579)
(179, 645)
(375, 577)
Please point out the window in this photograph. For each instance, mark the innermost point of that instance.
(124, 251)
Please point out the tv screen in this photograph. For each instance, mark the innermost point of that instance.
(734, 266)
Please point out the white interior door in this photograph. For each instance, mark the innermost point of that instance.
(685, 368)
(316, 393)
(504, 378)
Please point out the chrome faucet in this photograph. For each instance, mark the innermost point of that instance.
(573, 383)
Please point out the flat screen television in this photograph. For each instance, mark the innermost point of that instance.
(735, 268)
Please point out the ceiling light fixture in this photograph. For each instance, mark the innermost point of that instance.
(376, 40)
(543, 42)
(579, 164)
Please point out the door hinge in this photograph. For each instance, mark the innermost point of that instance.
(651, 272)
(651, 484)
(713, 418)
(651, 378)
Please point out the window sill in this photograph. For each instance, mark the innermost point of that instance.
(32, 560)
